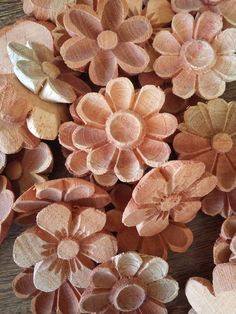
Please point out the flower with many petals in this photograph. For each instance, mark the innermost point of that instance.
(198, 56)
(123, 130)
(104, 39)
(129, 283)
(208, 135)
(171, 192)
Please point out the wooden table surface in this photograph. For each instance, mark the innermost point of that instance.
(197, 261)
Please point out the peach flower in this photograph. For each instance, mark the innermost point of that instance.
(129, 283)
(170, 192)
(223, 7)
(64, 245)
(64, 300)
(176, 237)
(197, 55)
(208, 135)
(104, 39)
(123, 131)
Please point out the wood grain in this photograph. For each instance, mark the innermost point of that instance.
(197, 261)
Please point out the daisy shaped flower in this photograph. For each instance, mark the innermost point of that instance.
(6, 206)
(64, 246)
(224, 250)
(208, 135)
(38, 70)
(220, 202)
(103, 40)
(176, 237)
(123, 130)
(218, 297)
(170, 192)
(223, 7)
(129, 283)
(64, 300)
(198, 56)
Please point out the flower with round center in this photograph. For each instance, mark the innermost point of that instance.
(208, 135)
(123, 131)
(129, 283)
(223, 7)
(171, 192)
(198, 56)
(62, 247)
(104, 39)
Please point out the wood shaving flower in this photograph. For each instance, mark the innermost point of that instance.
(64, 246)
(225, 247)
(198, 56)
(219, 202)
(28, 167)
(176, 237)
(130, 283)
(170, 192)
(64, 300)
(208, 135)
(123, 131)
(105, 39)
(216, 298)
(6, 205)
(223, 7)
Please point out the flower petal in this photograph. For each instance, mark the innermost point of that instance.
(102, 159)
(161, 125)
(128, 264)
(225, 42)
(154, 246)
(94, 301)
(128, 240)
(23, 285)
(225, 67)
(225, 173)
(210, 85)
(136, 29)
(223, 278)
(150, 99)
(165, 43)
(153, 269)
(128, 168)
(85, 137)
(76, 163)
(167, 66)
(85, 226)
(43, 301)
(103, 277)
(154, 152)
(65, 134)
(183, 26)
(7, 133)
(54, 218)
(213, 203)
(209, 158)
(230, 126)
(186, 211)
(151, 307)
(103, 68)
(81, 276)
(125, 53)
(217, 109)
(227, 9)
(68, 299)
(121, 92)
(154, 225)
(186, 5)
(99, 247)
(113, 14)
(202, 187)
(164, 290)
(184, 84)
(78, 190)
(208, 26)
(93, 109)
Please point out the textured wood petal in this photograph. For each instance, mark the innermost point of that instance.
(23, 285)
(184, 84)
(213, 203)
(103, 277)
(153, 269)
(225, 67)
(221, 272)
(76, 163)
(151, 307)
(65, 134)
(166, 44)
(6, 203)
(230, 126)
(81, 277)
(85, 137)
(227, 9)
(167, 66)
(208, 25)
(68, 300)
(113, 13)
(183, 26)
(164, 290)
(11, 140)
(187, 143)
(78, 189)
(225, 173)
(43, 303)
(90, 221)
(203, 186)
(225, 42)
(128, 263)
(186, 5)
(186, 211)
(153, 226)
(128, 240)
(161, 125)
(94, 302)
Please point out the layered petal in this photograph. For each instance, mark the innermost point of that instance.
(225, 42)
(103, 277)
(167, 66)
(68, 299)
(153, 269)
(80, 277)
(186, 211)
(184, 84)
(152, 307)
(43, 301)
(225, 173)
(76, 163)
(227, 9)
(153, 225)
(183, 26)
(213, 203)
(186, 5)
(164, 290)
(85, 137)
(225, 67)
(128, 264)
(165, 43)
(161, 125)
(208, 26)
(210, 85)
(113, 13)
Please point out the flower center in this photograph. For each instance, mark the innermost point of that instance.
(199, 54)
(50, 69)
(14, 170)
(222, 143)
(125, 129)
(67, 249)
(167, 203)
(107, 40)
(128, 294)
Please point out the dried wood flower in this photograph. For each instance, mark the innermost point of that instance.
(225, 247)
(219, 202)
(80, 193)
(6, 205)
(223, 7)
(216, 298)
(64, 246)
(105, 39)
(36, 68)
(208, 135)
(123, 131)
(169, 192)
(176, 237)
(64, 300)
(130, 283)
(28, 167)
(197, 55)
